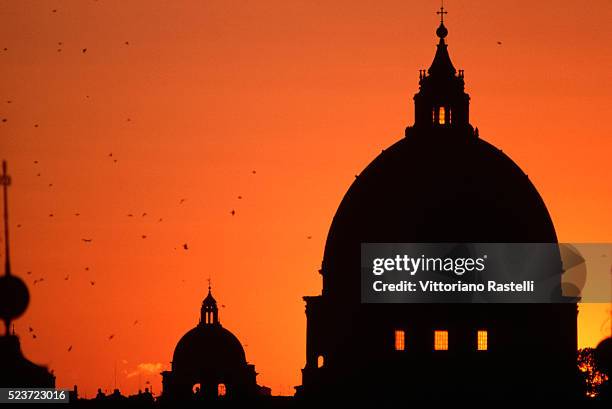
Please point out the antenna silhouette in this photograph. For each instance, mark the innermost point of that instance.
(6, 182)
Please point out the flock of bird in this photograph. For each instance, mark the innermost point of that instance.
(185, 246)
(89, 240)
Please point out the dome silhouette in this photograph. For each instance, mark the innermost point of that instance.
(443, 184)
(433, 188)
(209, 360)
(208, 348)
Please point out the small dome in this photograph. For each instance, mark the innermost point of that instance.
(208, 349)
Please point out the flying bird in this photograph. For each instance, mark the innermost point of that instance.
(50, 214)
(87, 240)
(70, 348)
(185, 246)
(30, 329)
(92, 282)
(182, 201)
(135, 322)
(84, 50)
(144, 214)
(34, 336)
(233, 212)
(86, 268)
(254, 172)
(77, 214)
(130, 215)
(111, 336)
(160, 219)
(239, 197)
(499, 43)
(67, 277)
(309, 237)
(144, 236)
(35, 125)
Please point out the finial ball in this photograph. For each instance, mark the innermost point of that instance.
(442, 32)
(14, 297)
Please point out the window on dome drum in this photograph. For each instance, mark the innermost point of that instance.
(482, 340)
(400, 340)
(320, 361)
(196, 388)
(441, 340)
(221, 391)
(442, 116)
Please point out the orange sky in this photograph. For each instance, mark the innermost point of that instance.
(304, 92)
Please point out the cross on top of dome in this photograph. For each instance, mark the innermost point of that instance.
(442, 12)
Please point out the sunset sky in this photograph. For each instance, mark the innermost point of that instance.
(191, 97)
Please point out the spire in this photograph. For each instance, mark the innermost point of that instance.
(14, 295)
(6, 182)
(209, 314)
(442, 64)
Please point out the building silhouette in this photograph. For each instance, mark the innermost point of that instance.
(15, 369)
(439, 184)
(209, 363)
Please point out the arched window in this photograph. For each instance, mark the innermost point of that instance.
(442, 116)
(482, 340)
(400, 340)
(320, 361)
(221, 390)
(441, 340)
(196, 389)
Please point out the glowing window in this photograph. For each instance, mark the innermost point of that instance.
(320, 361)
(221, 391)
(442, 116)
(400, 340)
(441, 340)
(482, 340)
(196, 389)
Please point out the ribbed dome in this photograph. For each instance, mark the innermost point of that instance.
(208, 349)
(434, 187)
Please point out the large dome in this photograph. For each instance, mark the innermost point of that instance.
(433, 187)
(208, 349)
